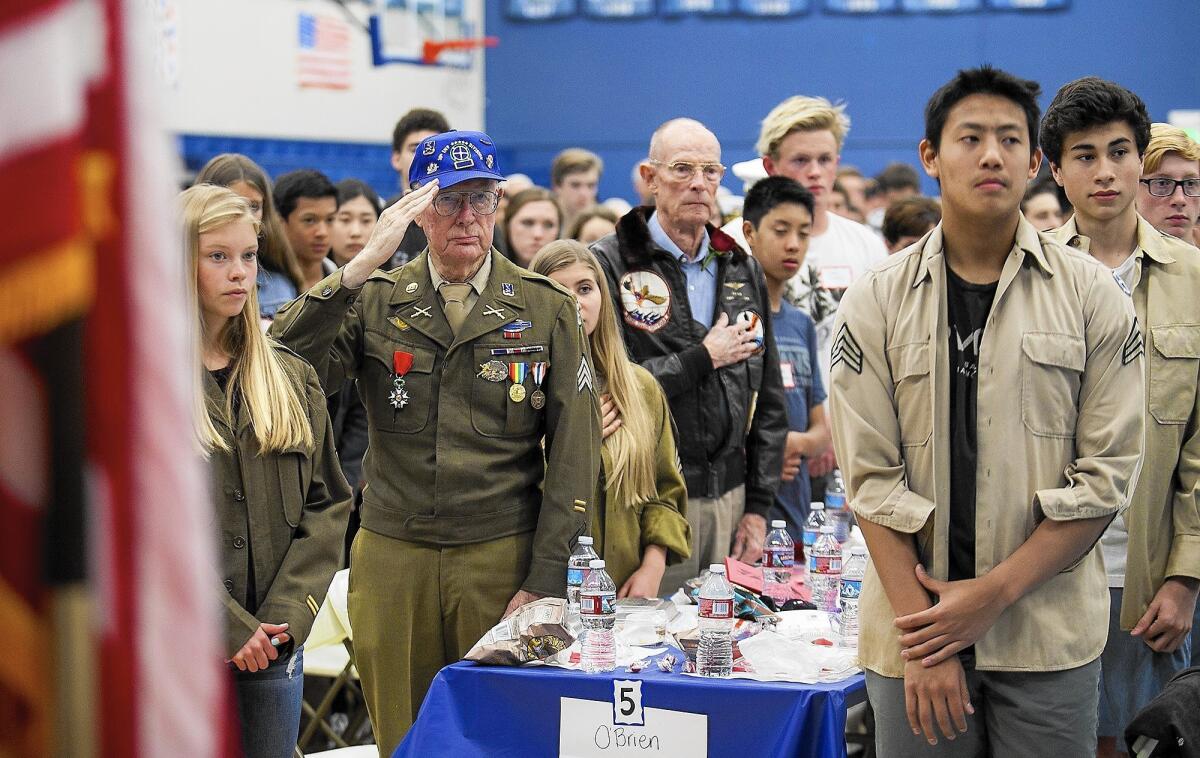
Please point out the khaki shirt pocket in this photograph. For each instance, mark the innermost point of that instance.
(376, 382)
(493, 411)
(293, 466)
(1051, 371)
(1174, 368)
(913, 395)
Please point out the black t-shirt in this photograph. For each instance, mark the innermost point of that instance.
(967, 311)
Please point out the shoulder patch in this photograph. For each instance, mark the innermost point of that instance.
(846, 351)
(1133, 347)
(584, 376)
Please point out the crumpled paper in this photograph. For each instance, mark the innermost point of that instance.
(536, 631)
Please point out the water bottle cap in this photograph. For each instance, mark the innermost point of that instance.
(585, 540)
(858, 550)
(717, 568)
(596, 563)
(827, 528)
(779, 524)
(817, 506)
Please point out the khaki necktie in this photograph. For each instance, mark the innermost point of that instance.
(456, 309)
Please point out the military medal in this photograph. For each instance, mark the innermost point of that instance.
(512, 331)
(537, 398)
(492, 371)
(401, 363)
(516, 373)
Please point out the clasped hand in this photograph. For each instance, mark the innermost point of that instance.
(964, 612)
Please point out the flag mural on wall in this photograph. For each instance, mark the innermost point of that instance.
(110, 631)
(324, 52)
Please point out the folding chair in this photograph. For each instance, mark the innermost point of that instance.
(329, 654)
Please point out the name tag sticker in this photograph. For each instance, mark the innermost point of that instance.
(789, 376)
(835, 277)
(588, 728)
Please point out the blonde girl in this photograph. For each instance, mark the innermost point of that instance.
(278, 493)
(642, 526)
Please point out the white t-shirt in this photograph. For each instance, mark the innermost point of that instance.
(1114, 543)
(844, 253)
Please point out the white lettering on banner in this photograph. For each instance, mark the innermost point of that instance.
(589, 728)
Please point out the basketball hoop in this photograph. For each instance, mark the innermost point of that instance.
(434, 48)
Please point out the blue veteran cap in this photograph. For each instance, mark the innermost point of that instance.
(453, 157)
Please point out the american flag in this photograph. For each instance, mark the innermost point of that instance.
(324, 57)
(101, 499)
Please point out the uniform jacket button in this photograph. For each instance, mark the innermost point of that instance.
(327, 291)
(239, 542)
(229, 584)
(239, 496)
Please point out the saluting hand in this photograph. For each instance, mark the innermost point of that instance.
(730, 343)
(388, 234)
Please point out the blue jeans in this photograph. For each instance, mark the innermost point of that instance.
(1131, 674)
(269, 706)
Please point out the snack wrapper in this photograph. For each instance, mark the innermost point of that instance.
(537, 631)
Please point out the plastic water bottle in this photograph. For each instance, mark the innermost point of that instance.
(836, 511)
(825, 571)
(714, 655)
(598, 648)
(852, 579)
(577, 569)
(812, 526)
(779, 553)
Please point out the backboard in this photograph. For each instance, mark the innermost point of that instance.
(400, 29)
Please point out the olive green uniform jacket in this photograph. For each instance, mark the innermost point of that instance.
(282, 516)
(622, 531)
(461, 462)
(1163, 520)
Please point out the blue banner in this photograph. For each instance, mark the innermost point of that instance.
(860, 6)
(697, 7)
(619, 8)
(540, 10)
(1029, 5)
(940, 6)
(772, 7)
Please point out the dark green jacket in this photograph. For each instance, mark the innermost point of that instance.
(282, 516)
(461, 462)
(623, 530)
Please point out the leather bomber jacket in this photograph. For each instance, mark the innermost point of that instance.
(732, 421)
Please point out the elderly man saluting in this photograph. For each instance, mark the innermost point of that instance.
(697, 316)
(465, 364)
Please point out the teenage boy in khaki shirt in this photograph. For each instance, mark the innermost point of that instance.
(1095, 134)
(986, 402)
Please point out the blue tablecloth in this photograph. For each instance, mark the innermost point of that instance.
(497, 711)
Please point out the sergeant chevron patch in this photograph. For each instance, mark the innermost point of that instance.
(1133, 345)
(847, 351)
(584, 375)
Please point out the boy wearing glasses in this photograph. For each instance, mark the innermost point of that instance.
(1169, 195)
(466, 364)
(695, 313)
(1094, 134)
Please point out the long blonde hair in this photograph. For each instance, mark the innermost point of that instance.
(633, 446)
(277, 412)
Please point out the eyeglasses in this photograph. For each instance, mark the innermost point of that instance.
(1162, 187)
(450, 203)
(682, 171)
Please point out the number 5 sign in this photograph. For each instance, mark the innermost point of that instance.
(627, 703)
